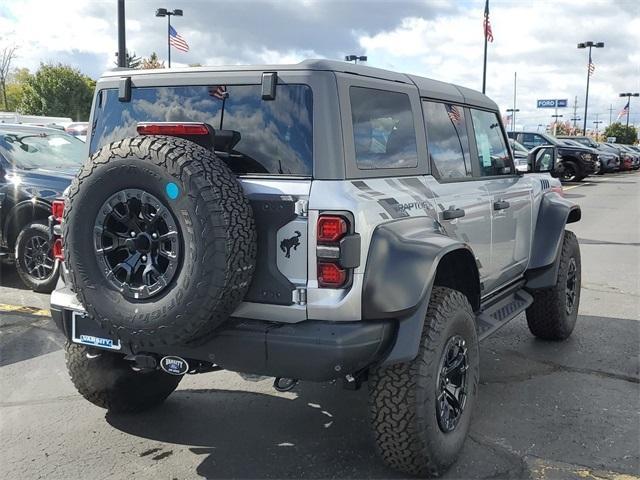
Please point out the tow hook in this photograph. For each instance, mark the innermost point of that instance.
(282, 384)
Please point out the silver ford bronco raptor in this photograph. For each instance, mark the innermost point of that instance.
(317, 221)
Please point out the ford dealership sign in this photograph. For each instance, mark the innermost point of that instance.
(555, 103)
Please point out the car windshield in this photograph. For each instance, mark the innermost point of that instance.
(41, 149)
(518, 146)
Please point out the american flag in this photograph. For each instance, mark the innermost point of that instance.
(623, 112)
(592, 66)
(177, 41)
(454, 113)
(488, 33)
(220, 92)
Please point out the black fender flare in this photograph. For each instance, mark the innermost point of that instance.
(26, 209)
(401, 269)
(554, 214)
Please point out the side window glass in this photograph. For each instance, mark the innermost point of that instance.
(383, 130)
(528, 140)
(447, 140)
(493, 154)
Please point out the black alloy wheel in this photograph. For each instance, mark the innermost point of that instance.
(571, 286)
(38, 258)
(137, 242)
(569, 173)
(452, 384)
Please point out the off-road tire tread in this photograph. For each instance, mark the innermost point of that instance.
(546, 317)
(216, 192)
(129, 391)
(396, 421)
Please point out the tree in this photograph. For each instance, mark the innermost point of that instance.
(132, 61)
(622, 133)
(152, 62)
(7, 54)
(14, 89)
(58, 91)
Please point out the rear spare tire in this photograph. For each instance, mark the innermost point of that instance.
(159, 240)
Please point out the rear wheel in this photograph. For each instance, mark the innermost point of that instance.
(107, 380)
(35, 264)
(554, 311)
(421, 410)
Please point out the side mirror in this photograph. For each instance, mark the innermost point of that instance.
(542, 159)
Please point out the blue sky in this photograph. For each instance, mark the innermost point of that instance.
(439, 39)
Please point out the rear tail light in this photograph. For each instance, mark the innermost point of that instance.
(331, 232)
(331, 228)
(172, 129)
(57, 209)
(331, 275)
(57, 249)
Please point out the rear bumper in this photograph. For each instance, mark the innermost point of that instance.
(309, 350)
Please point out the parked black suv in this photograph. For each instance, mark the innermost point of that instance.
(36, 165)
(575, 163)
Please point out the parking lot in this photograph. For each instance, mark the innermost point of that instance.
(546, 410)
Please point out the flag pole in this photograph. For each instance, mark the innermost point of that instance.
(484, 67)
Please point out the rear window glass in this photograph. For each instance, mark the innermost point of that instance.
(276, 136)
(383, 129)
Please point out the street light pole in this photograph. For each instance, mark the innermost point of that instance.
(628, 96)
(589, 44)
(163, 12)
(597, 123)
(513, 117)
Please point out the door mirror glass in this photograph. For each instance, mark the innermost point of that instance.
(542, 159)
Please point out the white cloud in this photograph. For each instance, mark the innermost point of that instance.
(437, 39)
(538, 41)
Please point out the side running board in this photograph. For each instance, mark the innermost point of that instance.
(497, 314)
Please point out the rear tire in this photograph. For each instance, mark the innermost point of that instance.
(554, 311)
(35, 264)
(411, 434)
(107, 380)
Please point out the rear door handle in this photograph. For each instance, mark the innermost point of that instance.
(501, 205)
(452, 213)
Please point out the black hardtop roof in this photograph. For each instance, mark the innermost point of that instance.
(427, 87)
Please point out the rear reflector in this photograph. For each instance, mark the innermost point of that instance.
(174, 129)
(331, 228)
(331, 275)
(58, 252)
(57, 209)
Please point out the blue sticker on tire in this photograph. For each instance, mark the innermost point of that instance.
(173, 191)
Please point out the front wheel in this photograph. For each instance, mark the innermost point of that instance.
(421, 410)
(35, 264)
(554, 311)
(107, 380)
(570, 172)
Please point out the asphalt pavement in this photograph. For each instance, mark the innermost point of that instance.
(545, 410)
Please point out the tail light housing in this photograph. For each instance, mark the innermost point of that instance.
(55, 220)
(57, 210)
(331, 228)
(337, 251)
(58, 251)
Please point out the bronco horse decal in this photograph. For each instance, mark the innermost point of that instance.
(288, 243)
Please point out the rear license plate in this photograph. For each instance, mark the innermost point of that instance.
(87, 332)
